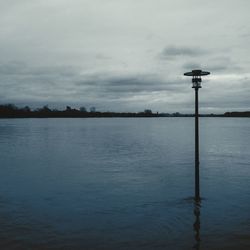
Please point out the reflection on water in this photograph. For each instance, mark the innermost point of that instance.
(197, 224)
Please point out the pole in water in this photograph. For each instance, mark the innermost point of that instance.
(196, 74)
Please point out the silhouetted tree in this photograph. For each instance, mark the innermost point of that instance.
(92, 109)
(11, 106)
(68, 108)
(45, 109)
(26, 109)
(148, 111)
(83, 109)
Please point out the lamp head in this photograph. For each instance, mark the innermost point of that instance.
(196, 74)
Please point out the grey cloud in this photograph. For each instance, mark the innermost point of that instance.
(22, 69)
(124, 85)
(20, 83)
(190, 66)
(216, 65)
(174, 51)
(219, 65)
(212, 67)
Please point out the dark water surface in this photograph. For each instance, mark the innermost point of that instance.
(123, 184)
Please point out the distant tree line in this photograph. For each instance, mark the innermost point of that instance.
(12, 111)
(237, 114)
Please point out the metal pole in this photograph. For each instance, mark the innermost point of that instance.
(196, 74)
(197, 162)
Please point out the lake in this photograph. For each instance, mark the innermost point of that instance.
(124, 183)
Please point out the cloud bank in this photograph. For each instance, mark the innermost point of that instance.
(88, 53)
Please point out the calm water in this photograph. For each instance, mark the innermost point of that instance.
(123, 184)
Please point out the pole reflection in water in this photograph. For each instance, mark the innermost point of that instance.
(197, 224)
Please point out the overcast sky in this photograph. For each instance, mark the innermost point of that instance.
(125, 55)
